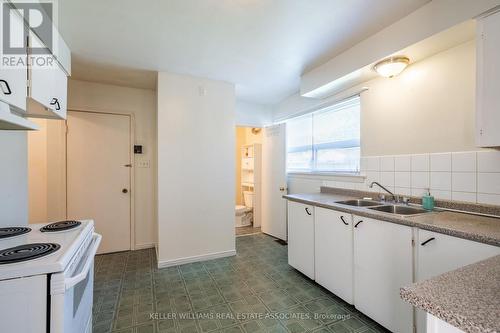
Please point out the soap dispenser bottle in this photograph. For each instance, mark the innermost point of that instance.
(428, 200)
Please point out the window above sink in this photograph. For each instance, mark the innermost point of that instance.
(327, 140)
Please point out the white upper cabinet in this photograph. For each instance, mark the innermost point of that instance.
(48, 88)
(12, 121)
(333, 253)
(383, 263)
(13, 79)
(488, 81)
(301, 237)
(38, 86)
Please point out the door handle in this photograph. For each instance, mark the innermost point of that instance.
(124, 190)
(307, 211)
(427, 241)
(9, 92)
(282, 189)
(356, 225)
(55, 102)
(343, 221)
(128, 165)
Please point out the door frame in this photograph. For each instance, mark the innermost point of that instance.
(131, 118)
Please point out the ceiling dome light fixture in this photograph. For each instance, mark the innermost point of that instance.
(392, 66)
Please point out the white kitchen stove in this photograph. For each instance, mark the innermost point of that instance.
(51, 293)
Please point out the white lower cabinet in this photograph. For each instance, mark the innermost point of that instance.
(383, 263)
(438, 254)
(333, 261)
(366, 261)
(301, 237)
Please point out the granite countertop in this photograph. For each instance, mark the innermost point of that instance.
(473, 227)
(467, 298)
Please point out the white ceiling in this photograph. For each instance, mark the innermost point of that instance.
(263, 46)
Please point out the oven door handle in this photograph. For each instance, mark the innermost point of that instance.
(74, 280)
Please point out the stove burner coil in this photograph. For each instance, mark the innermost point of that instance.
(13, 231)
(27, 252)
(60, 226)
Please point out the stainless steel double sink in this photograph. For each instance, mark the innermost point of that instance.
(382, 207)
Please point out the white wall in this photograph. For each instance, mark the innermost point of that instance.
(196, 168)
(47, 171)
(252, 114)
(37, 173)
(13, 178)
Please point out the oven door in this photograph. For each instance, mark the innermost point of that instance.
(72, 295)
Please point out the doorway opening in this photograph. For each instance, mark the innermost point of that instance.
(248, 209)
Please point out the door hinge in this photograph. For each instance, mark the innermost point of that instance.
(481, 131)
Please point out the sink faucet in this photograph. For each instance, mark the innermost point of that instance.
(395, 197)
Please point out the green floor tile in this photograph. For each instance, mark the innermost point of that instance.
(252, 286)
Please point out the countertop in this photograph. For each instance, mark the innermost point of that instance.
(467, 298)
(473, 227)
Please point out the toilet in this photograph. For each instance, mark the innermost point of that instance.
(244, 214)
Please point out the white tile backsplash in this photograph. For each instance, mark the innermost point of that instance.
(403, 190)
(488, 182)
(441, 181)
(463, 181)
(371, 163)
(402, 179)
(464, 196)
(463, 161)
(387, 178)
(440, 162)
(402, 163)
(441, 195)
(462, 176)
(418, 192)
(372, 176)
(387, 163)
(488, 161)
(420, 179)
(490, 199)
(420, 162)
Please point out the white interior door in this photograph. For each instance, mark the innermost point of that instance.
(98, 175)
(274, 181)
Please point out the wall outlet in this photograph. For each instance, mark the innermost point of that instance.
(143, 164)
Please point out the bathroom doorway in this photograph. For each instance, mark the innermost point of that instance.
(248, 189)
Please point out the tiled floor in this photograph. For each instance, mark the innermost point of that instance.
(242, 231)
(255, 291)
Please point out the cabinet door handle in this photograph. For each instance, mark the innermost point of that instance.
(9, 92)
(356, 225)
(55, 102)
(343, 221)
(307, 211)
(427, 241)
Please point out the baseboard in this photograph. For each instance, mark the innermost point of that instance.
(144, 246)
(188, 260)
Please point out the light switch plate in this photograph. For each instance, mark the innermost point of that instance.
(143, 164)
